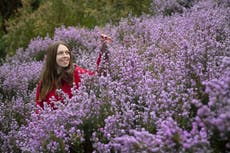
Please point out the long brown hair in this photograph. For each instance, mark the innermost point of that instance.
(52, 75)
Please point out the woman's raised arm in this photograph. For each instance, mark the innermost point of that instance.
(103, 55)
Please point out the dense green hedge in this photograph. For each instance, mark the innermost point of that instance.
(36, 21)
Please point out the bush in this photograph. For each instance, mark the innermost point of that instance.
(51, 14)
(167, 91)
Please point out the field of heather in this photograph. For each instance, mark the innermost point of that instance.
(167, 88)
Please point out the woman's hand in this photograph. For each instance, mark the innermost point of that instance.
(104, 54)
(105, 38)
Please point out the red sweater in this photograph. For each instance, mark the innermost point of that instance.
(66, 88)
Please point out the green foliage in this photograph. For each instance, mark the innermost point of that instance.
(40, 18)
(2, 49)
(218, 144)
(7, 9)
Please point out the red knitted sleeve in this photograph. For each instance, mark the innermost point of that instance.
(38, 102)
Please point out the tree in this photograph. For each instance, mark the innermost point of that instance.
(51, 14)
(7, 9)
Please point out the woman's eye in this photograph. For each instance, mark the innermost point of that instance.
(60, 53)
(64, 52)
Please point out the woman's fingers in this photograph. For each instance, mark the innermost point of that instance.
(106, 38)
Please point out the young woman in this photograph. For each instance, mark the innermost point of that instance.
(59, 72)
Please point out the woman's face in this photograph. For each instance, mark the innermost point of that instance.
(63, 56)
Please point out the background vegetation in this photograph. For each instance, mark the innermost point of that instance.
(22, 20)
(166, 89)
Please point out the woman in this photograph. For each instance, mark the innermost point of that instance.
(59, 72)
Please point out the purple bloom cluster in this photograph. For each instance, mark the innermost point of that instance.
(167, 87)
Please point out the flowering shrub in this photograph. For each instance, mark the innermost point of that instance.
(169, 7)
(166, 88)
